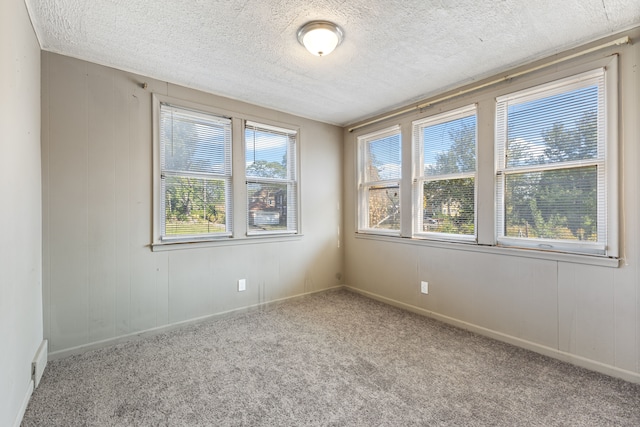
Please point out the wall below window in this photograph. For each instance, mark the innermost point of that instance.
(579, 311)
(102, 281)
(20, 209)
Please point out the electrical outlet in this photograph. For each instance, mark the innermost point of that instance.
(424, 287)
(242, 285)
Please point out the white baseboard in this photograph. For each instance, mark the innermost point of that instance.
(61, 354)
(39, 363)
(23, 407)
(593, 365)
(583, 362)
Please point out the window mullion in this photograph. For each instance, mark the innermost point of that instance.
(549, 167)
(189, 174)
(254, 180)
(238, 183)
(406, 184)
(382, 183)
(445, 177)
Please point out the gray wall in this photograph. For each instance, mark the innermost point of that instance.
(20, 208)
(561, 306)
(101, 280)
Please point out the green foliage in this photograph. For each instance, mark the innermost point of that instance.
(192, 205)
(194, 200)
(384, 208)
(383, 202)
(579, 143)
(449, 204)
(264, 169)
(562, 203)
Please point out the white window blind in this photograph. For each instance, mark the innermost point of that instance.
(380, 173)
(195, 166)
(445, 175)
(271, 179)
(551, 177)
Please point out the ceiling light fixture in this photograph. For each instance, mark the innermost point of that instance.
(320, 37)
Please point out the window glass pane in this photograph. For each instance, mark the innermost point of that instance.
(450, 147)
(379, 171)
(266, 153)
(271, 178)
(271, 206)
(382, 159)
(384, 207)
(554, 204)
(553, 129)
(445, 146)
(194, 206)
(551, 177)
(449, 206)
(194, 142)
(195, 175)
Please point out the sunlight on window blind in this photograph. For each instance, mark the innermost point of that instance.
(446, 147)
(272, 189)
(383, 159)
(380, 173)
(553, 181)
(195, 157)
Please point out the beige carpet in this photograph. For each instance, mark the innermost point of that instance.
(330, 359)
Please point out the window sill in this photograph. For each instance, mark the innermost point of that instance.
(250, 240)
(378, 232)
(600, 261)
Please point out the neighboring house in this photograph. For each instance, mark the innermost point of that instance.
(268, 207)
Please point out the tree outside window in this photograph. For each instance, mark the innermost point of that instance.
(380, 173)
(195, 172)
(551, 177)
(445, 151)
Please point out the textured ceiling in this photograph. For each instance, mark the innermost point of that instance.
(394, 52)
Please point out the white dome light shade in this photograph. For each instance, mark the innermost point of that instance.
(320, 37)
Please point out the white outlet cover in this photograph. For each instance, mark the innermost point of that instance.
(242, 285)
(424, 287)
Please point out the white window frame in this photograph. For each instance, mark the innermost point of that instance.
(160, 174)
(365, 186)
(606, 162)
(237, 212)
(291, 181)
(419, 177)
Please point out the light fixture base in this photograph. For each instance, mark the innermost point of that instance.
(320, 37)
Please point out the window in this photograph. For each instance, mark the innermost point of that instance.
(195, 174)
(197, 198)
(271, 179)
(379, 189)
(445, 175)
(541, 174)
(551, 179)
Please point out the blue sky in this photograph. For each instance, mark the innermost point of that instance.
(528, 120)
(265, 146)
(437, 139)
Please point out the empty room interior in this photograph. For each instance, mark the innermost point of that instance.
(316, 217)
